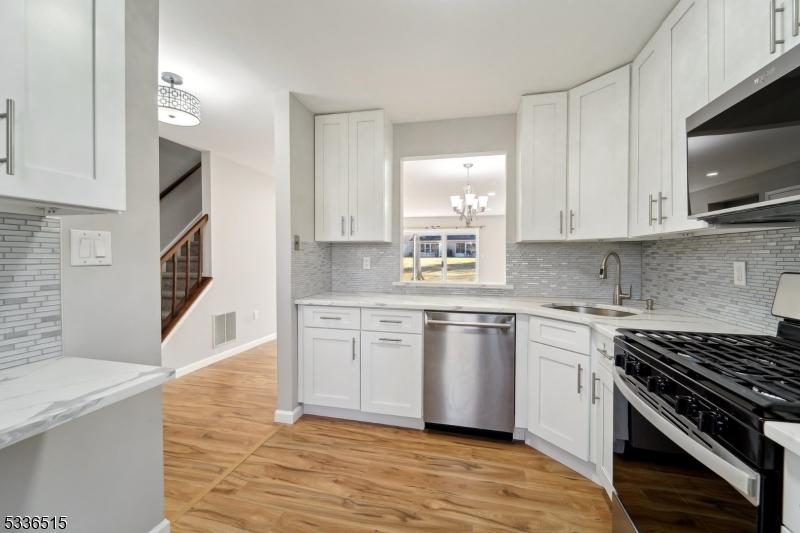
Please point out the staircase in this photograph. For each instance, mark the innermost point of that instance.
(182, 279)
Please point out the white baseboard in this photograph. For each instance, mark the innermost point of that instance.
(288, 417)
(210, 360)
(360, 416)
(584, 468)
(161, 527)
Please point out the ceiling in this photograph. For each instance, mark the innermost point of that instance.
(429, 183)
(418, 59)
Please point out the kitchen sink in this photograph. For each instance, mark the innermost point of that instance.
(592, 310)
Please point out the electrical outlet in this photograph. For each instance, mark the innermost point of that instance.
(740, 274)
(256, 314)
(366, 263)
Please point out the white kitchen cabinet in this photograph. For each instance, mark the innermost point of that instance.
(559, 398)
(391, 374)
(686, 32)
(742, 39)
(603, 424)
(791, 491)
(597, 175)
(542, 167)
(64, 69)
(650, 144)
(352, 177)
(332, 367)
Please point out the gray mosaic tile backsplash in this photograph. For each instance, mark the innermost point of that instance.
(311, 269)
(696, 274)
(564, 270)
(30, 289)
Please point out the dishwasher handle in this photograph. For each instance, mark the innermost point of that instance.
(491, 325)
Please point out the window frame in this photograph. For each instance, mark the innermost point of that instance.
(443, 242)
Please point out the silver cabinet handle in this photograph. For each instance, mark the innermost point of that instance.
(354, 348)
(661, 216)
(595, 397)
(561, 222)
(580, 376)
(604, 353)
(650, 217)
(9, 116)
(795, 20)
(390, 321)
(571, 221)
(773, 23)
(330, 318)
(342, 225)
(469, 324)
(352, 224)
(386, 339)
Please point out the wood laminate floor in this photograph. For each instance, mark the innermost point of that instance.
(228, 468)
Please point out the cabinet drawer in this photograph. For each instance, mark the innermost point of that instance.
(400, 321)
(565, 335)
(791, 491)
(332, 317)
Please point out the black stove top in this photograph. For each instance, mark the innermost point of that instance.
(761, 370)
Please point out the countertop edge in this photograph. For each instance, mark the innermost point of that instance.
(787, 434)
(97, 399)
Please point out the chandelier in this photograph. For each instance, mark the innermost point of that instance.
(176, 106)
(468, 205)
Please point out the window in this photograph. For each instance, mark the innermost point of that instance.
(440, 256)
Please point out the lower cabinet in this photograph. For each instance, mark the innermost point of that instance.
(603, 425)
(391, 374)
(332, 367)
(559, 397)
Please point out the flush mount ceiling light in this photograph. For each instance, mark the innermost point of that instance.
(468, 205)
(176, 106)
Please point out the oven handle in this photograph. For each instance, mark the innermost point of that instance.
(739, 477)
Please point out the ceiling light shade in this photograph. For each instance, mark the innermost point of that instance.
(176, 106)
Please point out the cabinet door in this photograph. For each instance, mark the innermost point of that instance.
(598, 157)
(559, 397)
(64, 68)
(542, 167)
(391, 374)
(791, 17)
(650, 158)
(330, 177)
(603, 425)
(739, 40)
(331, 368)
(368, 194)
(688, 67)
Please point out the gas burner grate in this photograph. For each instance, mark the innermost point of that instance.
(762, 368)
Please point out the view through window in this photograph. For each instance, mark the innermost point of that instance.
(443, 241)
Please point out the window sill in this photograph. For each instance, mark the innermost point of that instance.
(460, 285)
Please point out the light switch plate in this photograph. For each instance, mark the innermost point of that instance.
(740, 273)
(90, 247)
(366, 263)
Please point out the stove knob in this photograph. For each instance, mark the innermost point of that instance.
(619, 360)
(630, 367)
(707, 421)
(654, 384)
(684, 405)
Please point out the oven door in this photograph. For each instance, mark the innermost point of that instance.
(667, 477)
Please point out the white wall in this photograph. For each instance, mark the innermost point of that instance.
(242, 220)
(294, 174)
(491, 242)
(105, 471)
(180, 207)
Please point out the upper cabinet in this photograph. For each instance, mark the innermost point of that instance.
(62, 94)
(352, 176)
(542, 167)
(597, 178)
(745, 35)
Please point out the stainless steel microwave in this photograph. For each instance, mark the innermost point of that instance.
(743, 149)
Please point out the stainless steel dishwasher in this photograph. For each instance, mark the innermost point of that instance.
(469, 370)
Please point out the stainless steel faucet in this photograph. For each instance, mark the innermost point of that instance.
(619, 296)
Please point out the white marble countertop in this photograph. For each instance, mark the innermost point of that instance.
(658, 319)
(787, 434)
(42, 395)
